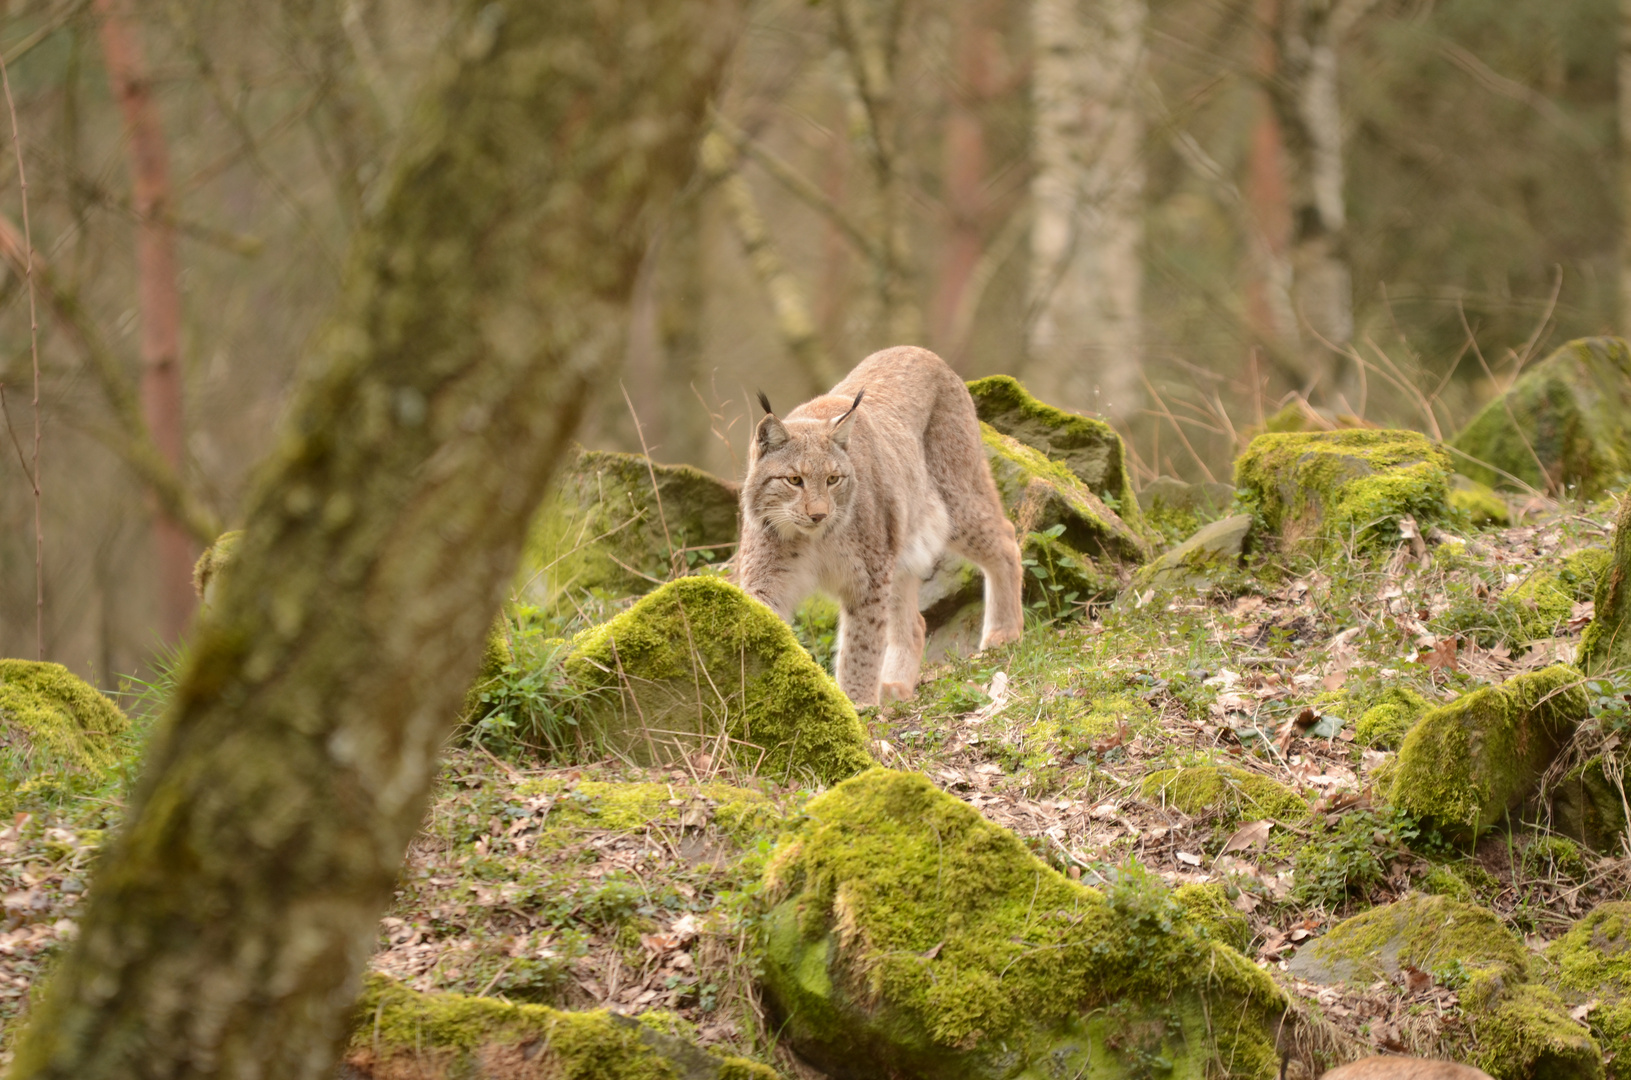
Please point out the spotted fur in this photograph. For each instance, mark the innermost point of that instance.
(857, 493)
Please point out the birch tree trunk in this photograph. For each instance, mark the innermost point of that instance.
(230, 919)
(158, 299)
(1306, 103)
(1086, 337)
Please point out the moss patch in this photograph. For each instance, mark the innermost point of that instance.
(1606, 645)
(607, 532)
(1235, 792)
(1337, 485)
(212, 562)
(1586, 805)
(55, 728)
(1562, 424)
(1208, 905)
(1466, 764)
(1528, 1034)
(699, 665)
(1477, 502)
(910, 932)
(1593, 962)
(1384, 725)
(400, 1034)
(496, 656)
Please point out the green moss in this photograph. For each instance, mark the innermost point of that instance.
(464, 1036)
(1465, 764)
(211, 563)
(1606, 645)
(1208, 905)
(1528, 1033)
(495, 658)
(57, 730)
(1090, 448)
(1057, 577)
(1544, 854)
(1444, 881)
(1040, 494)
(1433, 933)
(1384, 724)
(739, 812)
(699, 665)
(1333, 485)
(909, 930)
(1593, 962)
(1196, 789)
(1561, 425)
(608, 531)
(1586, 805)
(1477, 502)
(1078, 727)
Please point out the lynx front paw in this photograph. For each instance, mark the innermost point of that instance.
(897, 691)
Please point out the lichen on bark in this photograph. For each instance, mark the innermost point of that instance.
(229, 921)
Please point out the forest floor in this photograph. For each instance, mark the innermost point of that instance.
(606, 884)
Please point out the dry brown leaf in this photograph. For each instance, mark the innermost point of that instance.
(1416, 981)
(1253, 834)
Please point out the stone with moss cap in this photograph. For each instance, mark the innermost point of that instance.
(608, 532)
(1089, 448)
(1605, 647)
(54, 727)
(400, 1034)
(210, 564)
(1214, 551)
(1333, 486)
(1039, 493)
(1562, 424)
(1385, 723)
(1519, 1031)
(911, 938)
(1592, 962)
(1466, 764)
(1228, 789)
(1586, 805)
(700, 665)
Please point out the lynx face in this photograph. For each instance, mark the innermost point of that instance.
(800, 481)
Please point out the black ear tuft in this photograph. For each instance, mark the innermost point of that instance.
(764, 402)
(852, 407)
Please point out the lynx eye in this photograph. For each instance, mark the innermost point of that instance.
(831, 480)
(796, 481)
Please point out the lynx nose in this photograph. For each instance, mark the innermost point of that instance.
(818, 518)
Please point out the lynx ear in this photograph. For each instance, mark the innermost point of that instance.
(842, 427)
(764, 403)
(770, 435)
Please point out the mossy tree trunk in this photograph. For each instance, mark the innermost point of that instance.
(230, 920)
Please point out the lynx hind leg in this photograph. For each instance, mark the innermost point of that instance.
(990, 544)
(862, 637)
(903, 658)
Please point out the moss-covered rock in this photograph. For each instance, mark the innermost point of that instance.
(1089, 448)
(1214, 550)
(1587, 806)
(1606, 645)
(1039, 494)
(1466, 764)
(1477, 502)
(910, 938)
(1208, 904)
(608, 531)
(1528, 1034)
(1342, 485)
(496, 656)
(1233, 791)
(399, 1034)
(1542, 601)
(700, 665)
(55, 728)
(1565, 423)
(1383, 726)
(1592, 962)
(212, 562)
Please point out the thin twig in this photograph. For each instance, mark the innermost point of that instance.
(34, 350)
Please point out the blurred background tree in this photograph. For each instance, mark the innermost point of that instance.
(1174, 213)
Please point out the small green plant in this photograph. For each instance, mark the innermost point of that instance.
(1610, 697)
(531, 704)
(1351, 859)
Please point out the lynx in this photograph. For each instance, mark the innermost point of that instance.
(857, 493)
(1403, 1068)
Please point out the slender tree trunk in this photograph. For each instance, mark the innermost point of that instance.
(869, 32)
(1268, 288)
(1310, 116)
(1624, 74)
(1086, 334)
(229, 921)
(158, 298)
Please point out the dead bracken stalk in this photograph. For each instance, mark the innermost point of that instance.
(34, 351)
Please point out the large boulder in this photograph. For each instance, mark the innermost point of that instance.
(910, 938)
(1464, 765)
(1342, 486)
(400, 1034)
(1592, 964)
(56, 730)
(1565, 423)
(1089, 448)
(618, 525)
(1518, 1030)
(700, 666)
